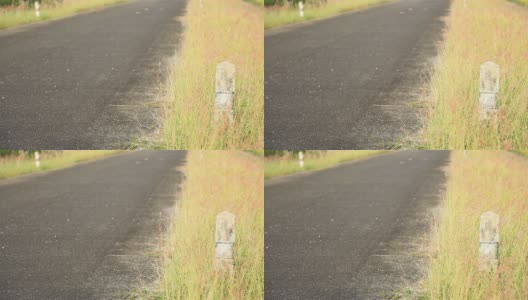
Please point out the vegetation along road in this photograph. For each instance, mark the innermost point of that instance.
(86, 82)
(353, 81)
(90, 231)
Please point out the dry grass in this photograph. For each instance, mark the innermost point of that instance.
(313, 160)
(14, 16)
(11, 166)
(487, 30)
(481, 181)
(222, 30)
(217, 181)
(277, 16)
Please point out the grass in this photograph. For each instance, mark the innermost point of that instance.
(481, 181)
(256, 2)
(222, 30)
(523, 2)
(313, 160)
(12, 16)
(12, 166)
(278, 16)
(217, 181)
(487, 30)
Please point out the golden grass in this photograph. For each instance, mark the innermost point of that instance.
(217, 181)
(10, 17)
(223, 30)
(482, 181)
(11, 166)
(313, 160)
(277, 16)
(488, 30)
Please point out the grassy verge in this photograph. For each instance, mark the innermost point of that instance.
(11, 166)
(217, 181)
(481, 181)
(277, 16)
(313, 160)
(257, 2)
(10, 17)
(222, 30)
(522, 152)
(523, 2)
(487, 30)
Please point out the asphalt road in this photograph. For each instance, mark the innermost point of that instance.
(351, 82)
(86, 82)
(356, 231)
(87, 232)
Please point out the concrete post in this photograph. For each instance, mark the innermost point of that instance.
(489, 242)
(225, 91)
(301, 9)
(225, 239)
(37, 9)
(301, 159)
(37, 159)
(489, 88)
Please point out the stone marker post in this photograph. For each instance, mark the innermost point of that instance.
(301, 159)
(489, 88)
(301, 9)
(37, 159)
(225, 91)
(489, 242)
(225, 239)
(37, 9)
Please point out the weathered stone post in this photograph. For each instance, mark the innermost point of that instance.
(225, 239)
(489, 88)
(225, 91)
(301, 159)
(37, 9)
(37, 159)
(489, 242)
(301, 9)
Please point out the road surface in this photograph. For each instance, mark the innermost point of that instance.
(356, 231)
(87, 232)
(86, 82)
(355, 81)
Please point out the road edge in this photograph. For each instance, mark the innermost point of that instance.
(24, 27)
(27, 176)
(288, 27)
(282, 178)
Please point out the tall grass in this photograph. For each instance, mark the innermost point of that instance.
(217, 181)
(313, 160)
(12, 16)
(221, 30)
(11, 166)
(277, 16)
(487, 30)
(481, 181)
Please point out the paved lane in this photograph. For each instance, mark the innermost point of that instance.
(87, 232)
(85, 82)
(353, 81)
(356, 231)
